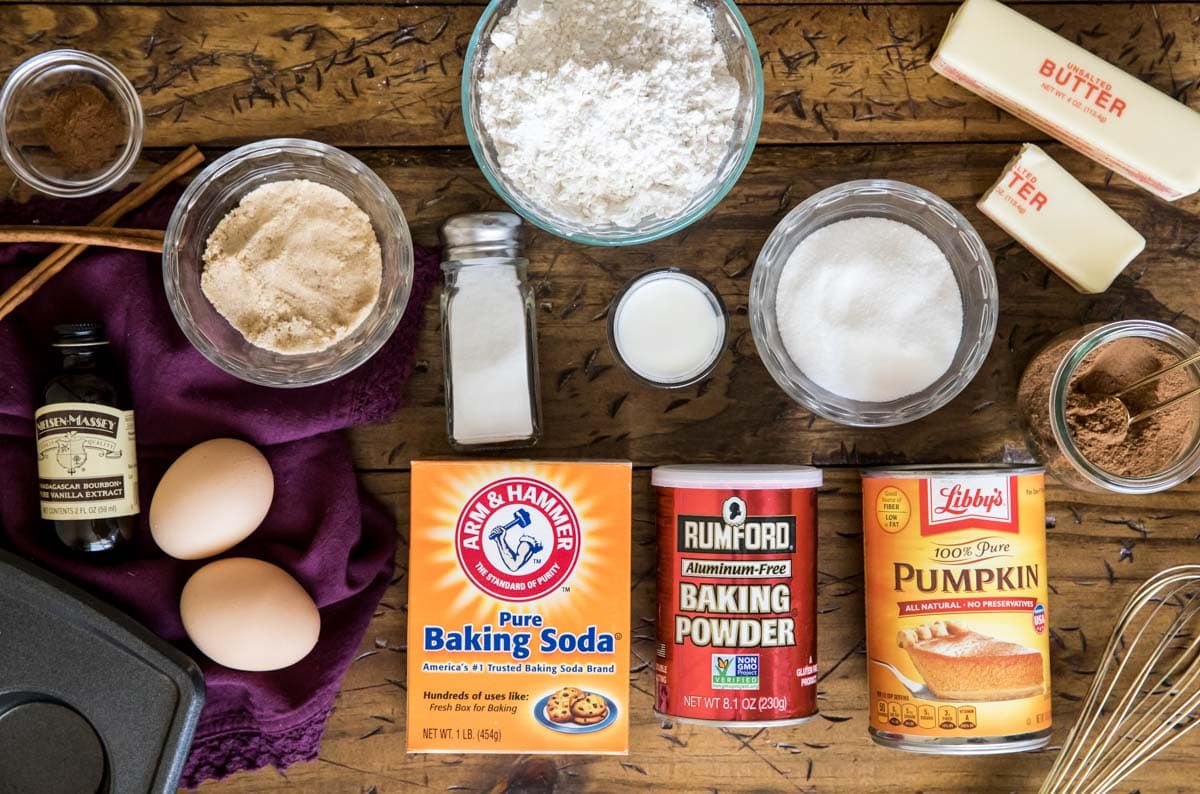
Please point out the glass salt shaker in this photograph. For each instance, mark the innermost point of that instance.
(489, 334)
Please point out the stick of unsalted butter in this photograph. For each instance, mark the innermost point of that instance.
(1060, 221)
(1065, 91)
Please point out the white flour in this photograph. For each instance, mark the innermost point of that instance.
(608, 110)
(869, 309)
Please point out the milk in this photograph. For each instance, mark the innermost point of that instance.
(668, 328)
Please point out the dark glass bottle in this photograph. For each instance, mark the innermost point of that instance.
(87, 456)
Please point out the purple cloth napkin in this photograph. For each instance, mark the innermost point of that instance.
(321, 528)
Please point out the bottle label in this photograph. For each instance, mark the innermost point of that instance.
(87, 461)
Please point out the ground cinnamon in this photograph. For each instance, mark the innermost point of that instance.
(1098, 424)
(1096, 420)
(83, 127)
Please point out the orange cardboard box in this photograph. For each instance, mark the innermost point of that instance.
(518, 607)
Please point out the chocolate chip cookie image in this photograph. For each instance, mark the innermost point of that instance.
(571, 709)
(567, 695)
(559, 712)
(589, 710)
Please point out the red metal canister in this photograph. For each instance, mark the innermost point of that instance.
(737, 582)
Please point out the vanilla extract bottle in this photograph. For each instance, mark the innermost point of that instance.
(86, 447)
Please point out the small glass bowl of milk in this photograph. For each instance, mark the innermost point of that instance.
(668, 328)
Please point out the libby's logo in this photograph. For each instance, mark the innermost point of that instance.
(950, 504)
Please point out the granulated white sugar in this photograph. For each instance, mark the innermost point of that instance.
(608, 110)
(869, 309)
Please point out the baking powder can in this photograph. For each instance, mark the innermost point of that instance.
(737, 594)
(958, 653)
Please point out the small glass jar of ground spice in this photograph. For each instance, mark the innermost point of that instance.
(70, 123)
(1080, 428)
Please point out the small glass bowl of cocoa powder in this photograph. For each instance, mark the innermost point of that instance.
(1081, 433)
(70, 123)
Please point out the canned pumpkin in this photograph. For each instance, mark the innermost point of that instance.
(957, 637)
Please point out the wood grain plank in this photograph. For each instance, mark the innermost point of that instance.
(364, 745)
(594, 409)
(389, 76)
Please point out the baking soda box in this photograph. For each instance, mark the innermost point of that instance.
(518, 607)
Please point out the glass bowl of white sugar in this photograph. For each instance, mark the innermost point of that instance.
(612, 123)
(873, 303)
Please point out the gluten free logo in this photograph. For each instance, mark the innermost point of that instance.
(517, 539)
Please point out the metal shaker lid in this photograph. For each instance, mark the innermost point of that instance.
(476, 234)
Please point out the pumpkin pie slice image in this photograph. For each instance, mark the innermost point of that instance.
(959, 663)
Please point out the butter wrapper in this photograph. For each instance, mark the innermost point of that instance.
(1060, 221)
(1065, 91)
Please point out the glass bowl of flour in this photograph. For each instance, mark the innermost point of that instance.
(612, 122)
(873, 303)
(226, 184)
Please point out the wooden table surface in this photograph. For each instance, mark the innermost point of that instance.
(849, 94)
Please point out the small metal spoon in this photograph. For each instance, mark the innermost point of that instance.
(1135, 418)
(916, 689)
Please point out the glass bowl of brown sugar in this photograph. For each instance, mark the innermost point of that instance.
(1066, 399)
(217, 193)
(70, 123)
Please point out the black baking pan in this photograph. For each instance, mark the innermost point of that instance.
(90, 701)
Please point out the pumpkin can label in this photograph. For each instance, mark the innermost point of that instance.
(956, 588)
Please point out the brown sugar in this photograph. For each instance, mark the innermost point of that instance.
(296, 267)
(82, 126)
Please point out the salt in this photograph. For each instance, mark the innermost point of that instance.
(869, 309)
(489, 357)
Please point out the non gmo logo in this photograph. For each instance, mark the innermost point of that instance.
(517, 539)
(735, 671)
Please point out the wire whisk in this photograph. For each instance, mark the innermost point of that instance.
(1146, 693)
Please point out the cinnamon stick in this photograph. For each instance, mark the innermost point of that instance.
(129, 239)
(31, 282)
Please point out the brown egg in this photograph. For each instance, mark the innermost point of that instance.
(249, 615)
(212, 498)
